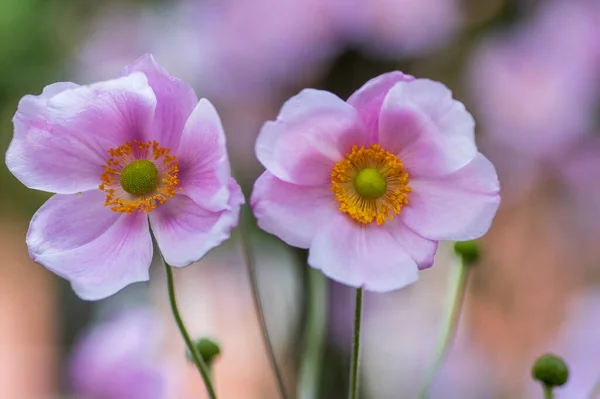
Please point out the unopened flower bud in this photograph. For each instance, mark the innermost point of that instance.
(207, 348)
(550, 370)
(468, 250)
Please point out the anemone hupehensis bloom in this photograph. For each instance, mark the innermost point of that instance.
(120, 358)
(122, 155)
(371, 185)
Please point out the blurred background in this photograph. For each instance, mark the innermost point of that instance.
(528, 70)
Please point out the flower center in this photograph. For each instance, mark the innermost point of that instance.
(370, 184)
(138, 176)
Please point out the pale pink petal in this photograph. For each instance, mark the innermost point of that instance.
(99, 251)
(61, 142)
(420, 249)
(291, 212)
(175, 100)
(430, 132)
(203, 163)
(457, 207)
(313, 131)
(35, 106)
(185, 231)
(369, 98)
(52, 90)
(361, 255)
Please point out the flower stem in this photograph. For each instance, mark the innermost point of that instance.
(261, 316)
(314, 336)
(356, 345)
(198, 361)
(456, 294)
(548, 394)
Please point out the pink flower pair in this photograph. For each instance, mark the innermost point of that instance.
(369, 186)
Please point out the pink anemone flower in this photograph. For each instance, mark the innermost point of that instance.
(122, 155)
(121, 359)
(371, 185)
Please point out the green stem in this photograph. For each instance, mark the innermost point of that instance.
(456, 294)
(548, 394)
(261, 316)
(314, 336)
(356, 345)
(198, 361)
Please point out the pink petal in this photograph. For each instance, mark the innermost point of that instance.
(313, 131)
(175, 100)
(420, 249)
(61, 140)
(369, 98)
(291, 212)
(50, 91)
(457, 207)
(99, 251)
(185, 231)
(429, 131)
(361, 256)
(204, 169)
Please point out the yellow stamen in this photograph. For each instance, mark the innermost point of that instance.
(358, 184)
(126, 200)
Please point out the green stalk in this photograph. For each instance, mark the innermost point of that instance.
(356, 345)
(198, 361)
(314, 336)
(261, 316)
(456, 296)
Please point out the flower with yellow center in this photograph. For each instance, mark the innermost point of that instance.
(370, 184)
(123, 156)
(138, 176)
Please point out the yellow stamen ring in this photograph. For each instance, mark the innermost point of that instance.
(138, 176)
(370, 184)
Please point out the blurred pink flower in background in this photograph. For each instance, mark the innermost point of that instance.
(535, 91)
(527, 99)
(120, 359)
(260, 47)
(121, 32)
(400, 27)
(569, 29)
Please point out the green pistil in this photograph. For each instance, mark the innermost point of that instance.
(139, 177)
(369, 183)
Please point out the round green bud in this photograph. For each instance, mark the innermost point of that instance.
(468, 250)
(207, 348)
(550, 370)
(139, 177)
(369, 183)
